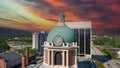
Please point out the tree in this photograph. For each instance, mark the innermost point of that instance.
(4, 46)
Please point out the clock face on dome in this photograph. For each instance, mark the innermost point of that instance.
(58, 41)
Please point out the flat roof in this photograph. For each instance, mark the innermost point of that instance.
(79, 25)
(10, 56)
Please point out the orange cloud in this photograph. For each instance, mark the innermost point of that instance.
(69, 16)
(56, 2)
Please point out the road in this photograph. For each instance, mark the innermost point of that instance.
(106, 62)
(98, 54)
(112, 64)
(36, 65)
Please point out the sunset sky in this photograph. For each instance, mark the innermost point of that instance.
(36, 15)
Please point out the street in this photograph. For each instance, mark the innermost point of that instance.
(108, 63)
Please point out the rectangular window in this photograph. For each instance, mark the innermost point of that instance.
(87, 31)
(81, 41)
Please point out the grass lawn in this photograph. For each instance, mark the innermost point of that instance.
(99, 64)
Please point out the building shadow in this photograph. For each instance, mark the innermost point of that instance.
(86, 64)
(101, 58)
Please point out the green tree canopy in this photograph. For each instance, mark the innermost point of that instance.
(4, 46)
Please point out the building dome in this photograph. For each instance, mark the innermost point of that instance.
(65, 32)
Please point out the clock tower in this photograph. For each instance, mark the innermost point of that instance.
(60, 49)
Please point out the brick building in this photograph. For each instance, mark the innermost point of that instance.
(9, 60)
(60, 49)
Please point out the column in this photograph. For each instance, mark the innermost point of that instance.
(75, 56)
(63, 58)
(44, 55)
(52, 58)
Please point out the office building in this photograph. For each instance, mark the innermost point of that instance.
(35, 39)
(83, 31)
(42, 38)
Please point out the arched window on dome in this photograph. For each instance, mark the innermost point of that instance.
(58, 58)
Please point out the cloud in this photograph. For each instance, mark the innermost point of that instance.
(56, 3)
(40, 14)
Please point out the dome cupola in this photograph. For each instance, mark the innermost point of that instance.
(61, 30)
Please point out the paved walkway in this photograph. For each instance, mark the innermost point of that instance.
(112, 64)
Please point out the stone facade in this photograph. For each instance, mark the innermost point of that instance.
(68, 52)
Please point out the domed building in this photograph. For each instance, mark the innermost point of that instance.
(65, 32)
(60, 49)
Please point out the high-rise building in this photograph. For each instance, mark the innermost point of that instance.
(42, 39)
(35, 39)
(83, 33)
(38, 39)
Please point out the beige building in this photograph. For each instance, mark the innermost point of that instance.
(83, 32)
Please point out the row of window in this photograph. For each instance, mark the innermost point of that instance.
(83, 40)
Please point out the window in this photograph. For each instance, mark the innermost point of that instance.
(81, 41)
(87, 41)
(58, 58)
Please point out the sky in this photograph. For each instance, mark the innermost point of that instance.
(36, 15)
